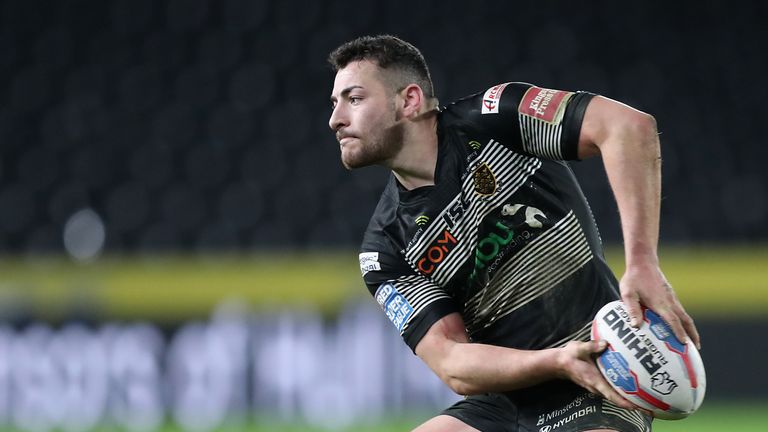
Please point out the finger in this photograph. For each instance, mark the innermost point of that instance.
(585, 350)
(612, 395)
(632, 303)
(676, 325)
(689, 326)
(694, 334)
(597, 346)
(602, 387)
(674, 322)
(617, 399)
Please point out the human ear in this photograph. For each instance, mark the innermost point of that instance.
(413, 100)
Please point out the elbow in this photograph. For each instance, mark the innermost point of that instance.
(648, 137)
(456, 380)
(635, 123)
(461, 387)
(613, 127)
(635, 129)
(643, 126)
(647, 124)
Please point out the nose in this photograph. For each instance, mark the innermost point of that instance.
(338, 118)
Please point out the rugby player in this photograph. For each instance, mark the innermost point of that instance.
(483, 251)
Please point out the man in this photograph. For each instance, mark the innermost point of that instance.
(483, 251)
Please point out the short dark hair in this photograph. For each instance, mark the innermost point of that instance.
(390, 53)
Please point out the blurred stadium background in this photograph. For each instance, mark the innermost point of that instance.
(178, 239)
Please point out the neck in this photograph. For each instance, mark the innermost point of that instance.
(414, 166)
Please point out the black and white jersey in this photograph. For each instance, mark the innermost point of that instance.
(505, 237)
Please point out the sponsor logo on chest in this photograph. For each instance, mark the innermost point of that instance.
(483, 186)
(436, 253)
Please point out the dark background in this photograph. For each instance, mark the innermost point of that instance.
(202, 125)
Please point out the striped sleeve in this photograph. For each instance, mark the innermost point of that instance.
(411, 302)
(540, 138)
(550, 122)
(536, 121)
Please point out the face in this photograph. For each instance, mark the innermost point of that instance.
(365, 118)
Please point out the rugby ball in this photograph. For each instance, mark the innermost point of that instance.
(648, 365)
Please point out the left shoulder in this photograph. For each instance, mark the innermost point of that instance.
(513, 99)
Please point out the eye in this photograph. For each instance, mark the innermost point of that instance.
(354, 100)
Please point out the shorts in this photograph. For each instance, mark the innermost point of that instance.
(557, 406)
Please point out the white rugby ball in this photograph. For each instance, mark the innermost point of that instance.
(649, 366)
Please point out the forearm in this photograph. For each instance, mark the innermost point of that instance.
(632, 160)
(471, 368)
(628, 142)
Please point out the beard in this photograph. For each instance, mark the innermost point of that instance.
(378, 149)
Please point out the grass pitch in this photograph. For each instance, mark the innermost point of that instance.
(715, 416)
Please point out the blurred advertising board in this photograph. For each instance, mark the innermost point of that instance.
(235, 368)
(715, 281)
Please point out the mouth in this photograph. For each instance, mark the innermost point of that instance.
(342, 139)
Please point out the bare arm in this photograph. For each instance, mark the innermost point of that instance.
(629, 145)
(472, 368)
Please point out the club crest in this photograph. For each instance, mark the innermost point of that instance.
(484, 180)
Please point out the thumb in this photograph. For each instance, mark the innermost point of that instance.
(598, 346)
(635, 311)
